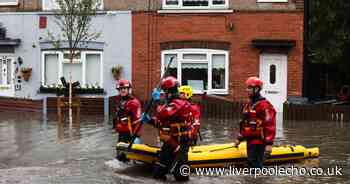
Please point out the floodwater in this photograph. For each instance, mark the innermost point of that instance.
(40, 151)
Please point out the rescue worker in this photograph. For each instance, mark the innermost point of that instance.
(258, 124)
(128, 112)
(172, 120)
(186, 94)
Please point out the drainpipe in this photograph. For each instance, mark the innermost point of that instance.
(106, 106)
(45, 106)
(306, 64)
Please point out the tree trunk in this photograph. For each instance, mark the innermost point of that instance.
(71, 56)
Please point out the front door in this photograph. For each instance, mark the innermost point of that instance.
(7, 76)
(273, 71)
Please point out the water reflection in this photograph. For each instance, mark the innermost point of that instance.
(40, 148)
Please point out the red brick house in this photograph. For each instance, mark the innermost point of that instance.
(217, 44)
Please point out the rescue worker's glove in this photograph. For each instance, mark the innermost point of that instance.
(145, 118)
(156, 94)
(236, 143)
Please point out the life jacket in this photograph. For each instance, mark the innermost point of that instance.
(251, 126)
(174, 120)
(127, 112)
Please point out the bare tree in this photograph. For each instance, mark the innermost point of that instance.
(73, 18)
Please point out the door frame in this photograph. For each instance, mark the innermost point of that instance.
(284, 69)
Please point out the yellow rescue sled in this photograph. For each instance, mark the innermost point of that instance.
(219, 155)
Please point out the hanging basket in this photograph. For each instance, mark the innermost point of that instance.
(116, 76)
(26, 73)
(117, 71)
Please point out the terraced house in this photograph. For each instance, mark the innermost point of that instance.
(219, 43)
(216, 45)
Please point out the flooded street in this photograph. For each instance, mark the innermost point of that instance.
(36, 150)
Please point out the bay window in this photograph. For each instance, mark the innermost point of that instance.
(205, 70)
(85, 68)
(195, 4)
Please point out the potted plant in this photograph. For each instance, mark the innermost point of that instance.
(26, 73)
(117, 71)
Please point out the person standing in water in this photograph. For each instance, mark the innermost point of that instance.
(258, 124)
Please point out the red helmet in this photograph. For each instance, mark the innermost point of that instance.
(123, 83)
(254, 82)
(169, 83)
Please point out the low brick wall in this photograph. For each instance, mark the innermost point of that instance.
(89, 106)
(20, 104)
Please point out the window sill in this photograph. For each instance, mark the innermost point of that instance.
(194, 11)
(210, 92)
(5, 87)
(77, 90)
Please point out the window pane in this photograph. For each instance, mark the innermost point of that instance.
(195, 75)
(50, 4)
(9, 67)
(173, 67)
(195, 56)
(51, 69)
(77, 71)
(172, 2)
(195, 2)
(218, 2)
(272, 74)
(93, 69)
(218, 71)
(77, 56)
(8, 1)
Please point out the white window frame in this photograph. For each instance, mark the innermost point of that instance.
(54, 7)
(9, 3)
(209, 52)
(210, 6)
(61, 61)
(4, 81)
(272, 1)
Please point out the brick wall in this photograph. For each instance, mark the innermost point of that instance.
(89, 106)
(150, 30)
(145, 5)
(16, 104)
(137, 5)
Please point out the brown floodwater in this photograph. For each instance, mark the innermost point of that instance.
(38, 150)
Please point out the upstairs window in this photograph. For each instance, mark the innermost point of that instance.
(8, 2)
(195, 4)
(53, 5)
(272, 1)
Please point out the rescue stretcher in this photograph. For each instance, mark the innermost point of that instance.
(218, 155)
